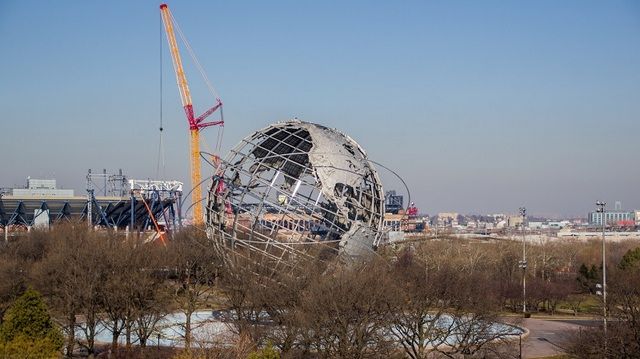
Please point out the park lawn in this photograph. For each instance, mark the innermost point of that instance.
(592, 304)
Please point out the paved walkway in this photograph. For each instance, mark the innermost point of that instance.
(548, 336)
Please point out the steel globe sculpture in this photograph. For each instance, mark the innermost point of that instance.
(296, 189)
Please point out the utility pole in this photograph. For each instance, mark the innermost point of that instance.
(601, 209)
(523, 262)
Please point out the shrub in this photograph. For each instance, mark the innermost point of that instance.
(268, 352)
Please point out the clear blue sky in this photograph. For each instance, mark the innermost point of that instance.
(482, 106)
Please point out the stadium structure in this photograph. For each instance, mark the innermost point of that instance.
(111, 201)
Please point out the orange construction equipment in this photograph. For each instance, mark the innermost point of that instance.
(160, 232)
(195, 123)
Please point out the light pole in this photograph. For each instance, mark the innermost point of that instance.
(523, 263)
(436, 223)
(602, 211)
(6, 228)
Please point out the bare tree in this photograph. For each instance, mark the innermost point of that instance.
(420, 306)
(443, 309)
(150, 297)
(622, 337)
(134, 298)
(344, 313)
(12, 281)
(247, 286)
(71, 276)
(557, 290)
(16, 261)
(116, 292)
(194, 265)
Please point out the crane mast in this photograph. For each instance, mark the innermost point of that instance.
(195, 124)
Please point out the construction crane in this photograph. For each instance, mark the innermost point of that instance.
(195, 123)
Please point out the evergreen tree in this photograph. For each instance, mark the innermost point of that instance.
(631, 259)
(268, 352)
(588, 277)
(27, 329)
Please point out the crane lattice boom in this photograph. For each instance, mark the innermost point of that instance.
(195, 123)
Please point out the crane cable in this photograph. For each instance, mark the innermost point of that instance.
(212, 90)
(210, 87)
(161, 156)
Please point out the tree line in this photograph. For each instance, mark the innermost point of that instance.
(417, 300)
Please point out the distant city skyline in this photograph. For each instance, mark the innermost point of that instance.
(480, 107)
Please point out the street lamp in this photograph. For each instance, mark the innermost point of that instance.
(602, 211)
(523, 263)
(5, 227)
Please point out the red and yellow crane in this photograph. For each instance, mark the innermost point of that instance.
(195, 123)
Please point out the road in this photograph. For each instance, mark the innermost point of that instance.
(548, 336)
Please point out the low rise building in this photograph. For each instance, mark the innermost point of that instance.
(514, 221)
(535, 225)
(41, 188)
(447, 219)
(559, 224)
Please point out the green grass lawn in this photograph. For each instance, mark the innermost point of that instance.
(590, 305)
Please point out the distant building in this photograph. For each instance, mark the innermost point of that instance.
(535, 225)
(41, 188)
(393, 222)
(447, 218)
(611, 217)
(558, 224)
(637, 215)
(452, 215)
(393, 202)
(514, 221)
